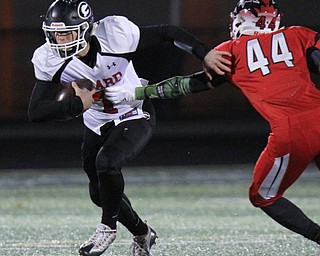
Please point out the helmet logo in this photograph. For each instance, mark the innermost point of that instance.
(84, 10)
(57, 24)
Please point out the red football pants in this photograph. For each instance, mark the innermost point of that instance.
(293, 143)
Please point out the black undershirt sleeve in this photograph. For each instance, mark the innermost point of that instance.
(313, 57)
(158, 34)
(44, 107)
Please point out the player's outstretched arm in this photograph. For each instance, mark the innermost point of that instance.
(168, 89)
(212, 59)
(175, 87)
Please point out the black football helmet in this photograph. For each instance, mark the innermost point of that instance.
(66, 16)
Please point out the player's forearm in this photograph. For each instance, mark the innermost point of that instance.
(174, 87)
(52, 110)
(43, 107)
(168, 89)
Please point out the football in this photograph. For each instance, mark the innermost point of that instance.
(65, 91)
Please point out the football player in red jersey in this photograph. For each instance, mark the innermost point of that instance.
(77, 47)
(271, 68)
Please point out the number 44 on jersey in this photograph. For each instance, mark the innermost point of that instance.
(280, 52)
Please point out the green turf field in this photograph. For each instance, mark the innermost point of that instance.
(198, 211)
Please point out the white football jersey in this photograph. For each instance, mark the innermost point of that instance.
(117, 36)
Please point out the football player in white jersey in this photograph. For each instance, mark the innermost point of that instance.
(77, 47)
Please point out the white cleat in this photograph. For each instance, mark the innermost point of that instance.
(99, 242)
(142, 244)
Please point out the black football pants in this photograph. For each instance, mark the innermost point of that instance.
(103, 157)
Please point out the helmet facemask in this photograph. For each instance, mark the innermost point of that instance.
(253, 17)
(66, 50)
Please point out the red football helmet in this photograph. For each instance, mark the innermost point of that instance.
(253, 17)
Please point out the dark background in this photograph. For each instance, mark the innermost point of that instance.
(215, 127)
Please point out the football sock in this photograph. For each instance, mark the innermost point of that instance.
(130, 219)
(111, 186)
(290, 216)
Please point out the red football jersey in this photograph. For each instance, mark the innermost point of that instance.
(271, 70)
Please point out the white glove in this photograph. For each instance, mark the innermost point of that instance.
(119, 94)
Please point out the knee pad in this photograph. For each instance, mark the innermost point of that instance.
(109, 162)
(258, 201)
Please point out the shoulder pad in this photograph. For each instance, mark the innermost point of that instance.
(45, 64)
(117, 34)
